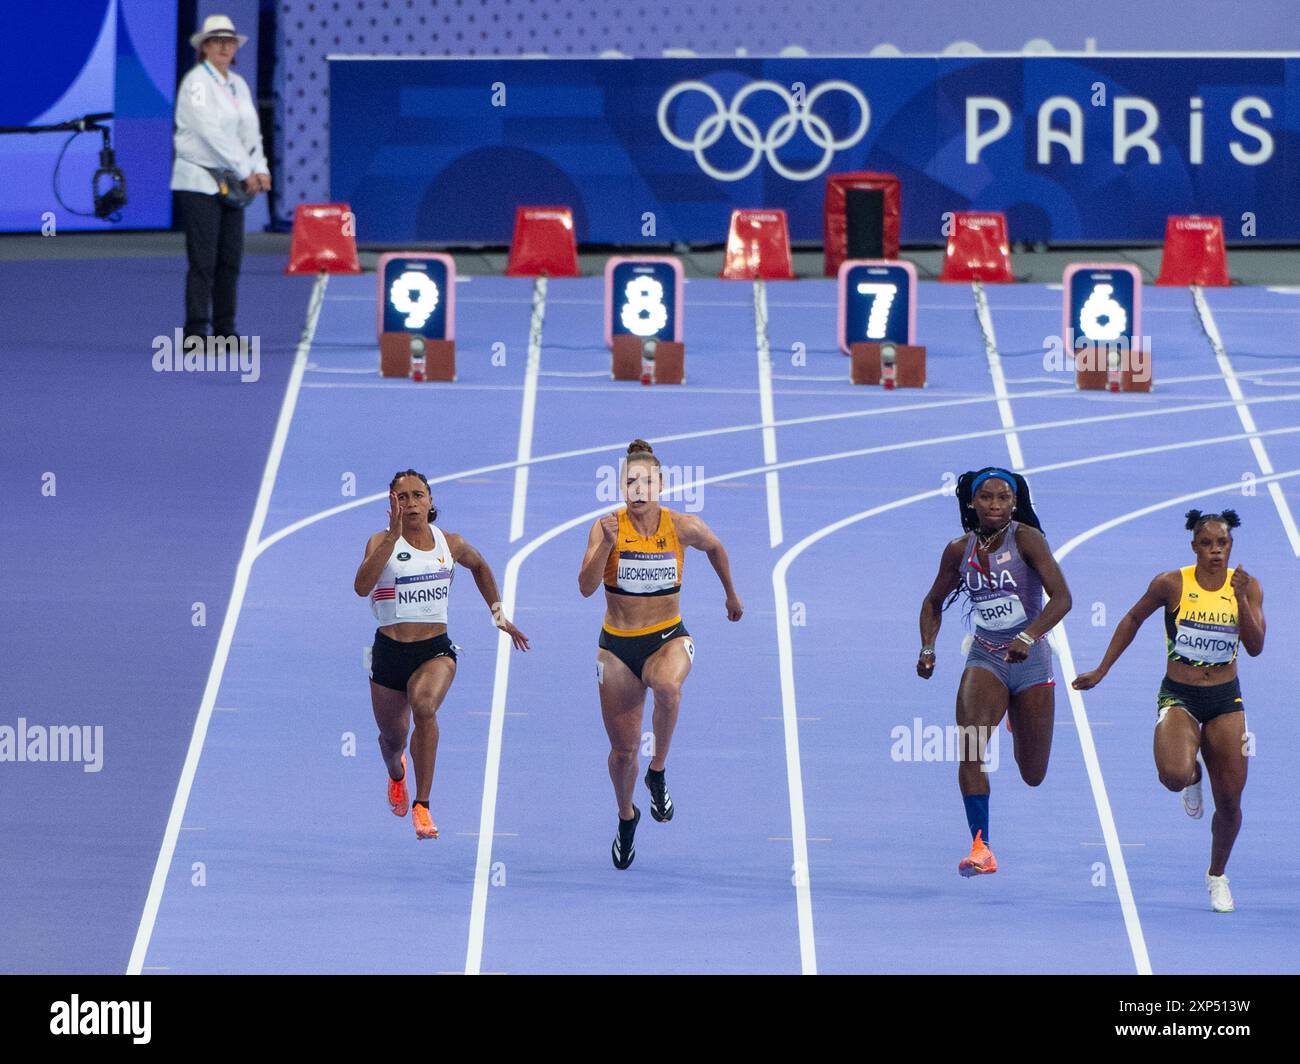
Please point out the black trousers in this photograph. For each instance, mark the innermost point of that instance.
(214, 245)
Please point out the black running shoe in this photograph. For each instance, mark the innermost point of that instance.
(661, 802)
(624, 848)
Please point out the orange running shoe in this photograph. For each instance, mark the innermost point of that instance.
(980, 862)
(425, 828)
(397, 796)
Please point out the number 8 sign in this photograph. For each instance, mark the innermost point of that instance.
(643, 297)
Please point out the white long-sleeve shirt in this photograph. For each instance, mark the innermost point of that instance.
(217, 126)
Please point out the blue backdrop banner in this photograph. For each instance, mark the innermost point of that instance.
(1082, 148)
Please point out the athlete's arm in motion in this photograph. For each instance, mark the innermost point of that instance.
(1158, 593)
(472, 560)
(1250, 611)
(695, 533)
(599, 543)
(1033, 547)
(379, 548)
(932, 605)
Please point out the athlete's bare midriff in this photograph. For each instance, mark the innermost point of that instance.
(413, 631)
(631, 611)
(1201, 675)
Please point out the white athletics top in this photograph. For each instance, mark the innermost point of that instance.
(415, 584)
(217, 126)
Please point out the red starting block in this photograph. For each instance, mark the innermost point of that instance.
(758, 247)
(870, 363)
(324, 239)
(1112, 367)
(1194, 252)
(543, 243)
(629, 363)
(977, 249)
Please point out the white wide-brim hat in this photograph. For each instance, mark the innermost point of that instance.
(217, 26)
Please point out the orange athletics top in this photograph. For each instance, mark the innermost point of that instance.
(645, 565)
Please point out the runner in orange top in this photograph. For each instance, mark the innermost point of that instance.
(637, 553)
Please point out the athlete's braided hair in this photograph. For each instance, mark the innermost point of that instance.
(1196, 520)
(970, 522)
(392, 486)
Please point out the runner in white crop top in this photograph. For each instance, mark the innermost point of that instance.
(407, 575)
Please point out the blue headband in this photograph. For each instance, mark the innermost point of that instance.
(1001, 474)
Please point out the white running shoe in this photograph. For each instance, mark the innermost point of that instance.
(1193, 805)
(1220, 895)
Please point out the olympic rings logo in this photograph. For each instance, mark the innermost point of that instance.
(798, 116)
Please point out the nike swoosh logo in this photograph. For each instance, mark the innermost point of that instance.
(669, 632)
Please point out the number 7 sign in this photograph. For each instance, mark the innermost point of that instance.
(877, 302)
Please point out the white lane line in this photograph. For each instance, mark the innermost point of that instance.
(1061, 641)
(311, 519)
(802, 868)
(995, 371)
(528, 410)
(768, 412)
(1247, 418)
(1133, 515)
(496, 729)
(242, 571)
(1063, 389)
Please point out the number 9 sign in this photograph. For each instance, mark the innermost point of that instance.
(417, 294)
(643, 298)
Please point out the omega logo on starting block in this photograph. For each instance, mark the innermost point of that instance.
(416, 312)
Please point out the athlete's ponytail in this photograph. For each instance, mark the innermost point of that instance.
(1024, 512)
(1196, 520)
(392, 486)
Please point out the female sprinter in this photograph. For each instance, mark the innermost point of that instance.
(637, 552)
(407, 574)
(1209, 608)
(1003, 564)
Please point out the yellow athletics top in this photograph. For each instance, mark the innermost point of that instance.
(645, 565)
(1203, 631)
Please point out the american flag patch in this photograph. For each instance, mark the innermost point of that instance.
(1005, 556)
(383, 593)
